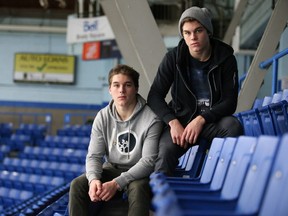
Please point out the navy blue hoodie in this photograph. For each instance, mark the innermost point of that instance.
(173, 72)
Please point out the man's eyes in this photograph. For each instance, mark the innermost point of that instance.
(196, 31)
(125, 85)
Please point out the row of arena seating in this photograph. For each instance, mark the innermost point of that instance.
(63, 141)
(39, 204)
(31, 182)
(75, 130)
(34, 163)
(65, 170)
(39, 131)
(270, 117)
(18, 142)
(34, 131)
(35, 134)
(54, 154)
(241, 176)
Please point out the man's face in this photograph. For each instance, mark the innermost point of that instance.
(196, 37)
(123, 90)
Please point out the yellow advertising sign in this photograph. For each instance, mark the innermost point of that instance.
(44, 68)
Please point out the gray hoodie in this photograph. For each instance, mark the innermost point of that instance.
(131, 145)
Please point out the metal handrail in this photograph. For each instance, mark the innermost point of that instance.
(274, 61)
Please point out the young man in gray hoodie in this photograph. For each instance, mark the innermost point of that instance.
(122, 150)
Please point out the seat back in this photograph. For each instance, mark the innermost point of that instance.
(276, 199)
(187, 162)
(212, 159)
(266, 120)
(257, 176)
(200, 157)
(223, 163)
(247, 123)
(197, 157)
(280, 117)
(252, 122)
(257, 126)
(257, 103)
(238, 166)
(191, 158)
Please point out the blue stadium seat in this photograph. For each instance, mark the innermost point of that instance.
(64, 142)
(10, 178)
(56, 141)
(74, 142)
(266, 101)
(220, 170)
(6, 130)
(247, 122)
(236, 172)
(3, 193)
(184, 170)
(201, 154)
(276, 98)
(28, 165)
(25, 195)
(46, 141)
(35, 131)
(279, 112)
(10, 164)
(75, 130)
(252, 123)
(20, 183)
(285, 94)
(84, 131)
(183, 159)
(210, 162)
(44, 166)
(4, 151)
(257, 103)
(57, 181)
(63, 131)
(79, 142)
(19, 141)
(276, 199)
(267, 120)
(250, 192)
(4, 179)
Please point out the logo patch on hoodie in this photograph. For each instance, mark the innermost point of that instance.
(126, 142)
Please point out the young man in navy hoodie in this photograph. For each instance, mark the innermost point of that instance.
(203, 76)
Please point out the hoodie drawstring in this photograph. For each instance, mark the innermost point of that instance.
(129, 130)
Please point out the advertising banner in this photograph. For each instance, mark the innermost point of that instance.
(48, 68)
(81, 30)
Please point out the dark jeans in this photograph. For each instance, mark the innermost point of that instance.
(169, 153)
(138, 192)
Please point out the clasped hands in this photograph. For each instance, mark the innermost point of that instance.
(99, 191)
(188, 135)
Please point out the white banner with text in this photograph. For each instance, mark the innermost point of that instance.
(80, 30)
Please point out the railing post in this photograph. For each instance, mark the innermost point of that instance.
(275, 76)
